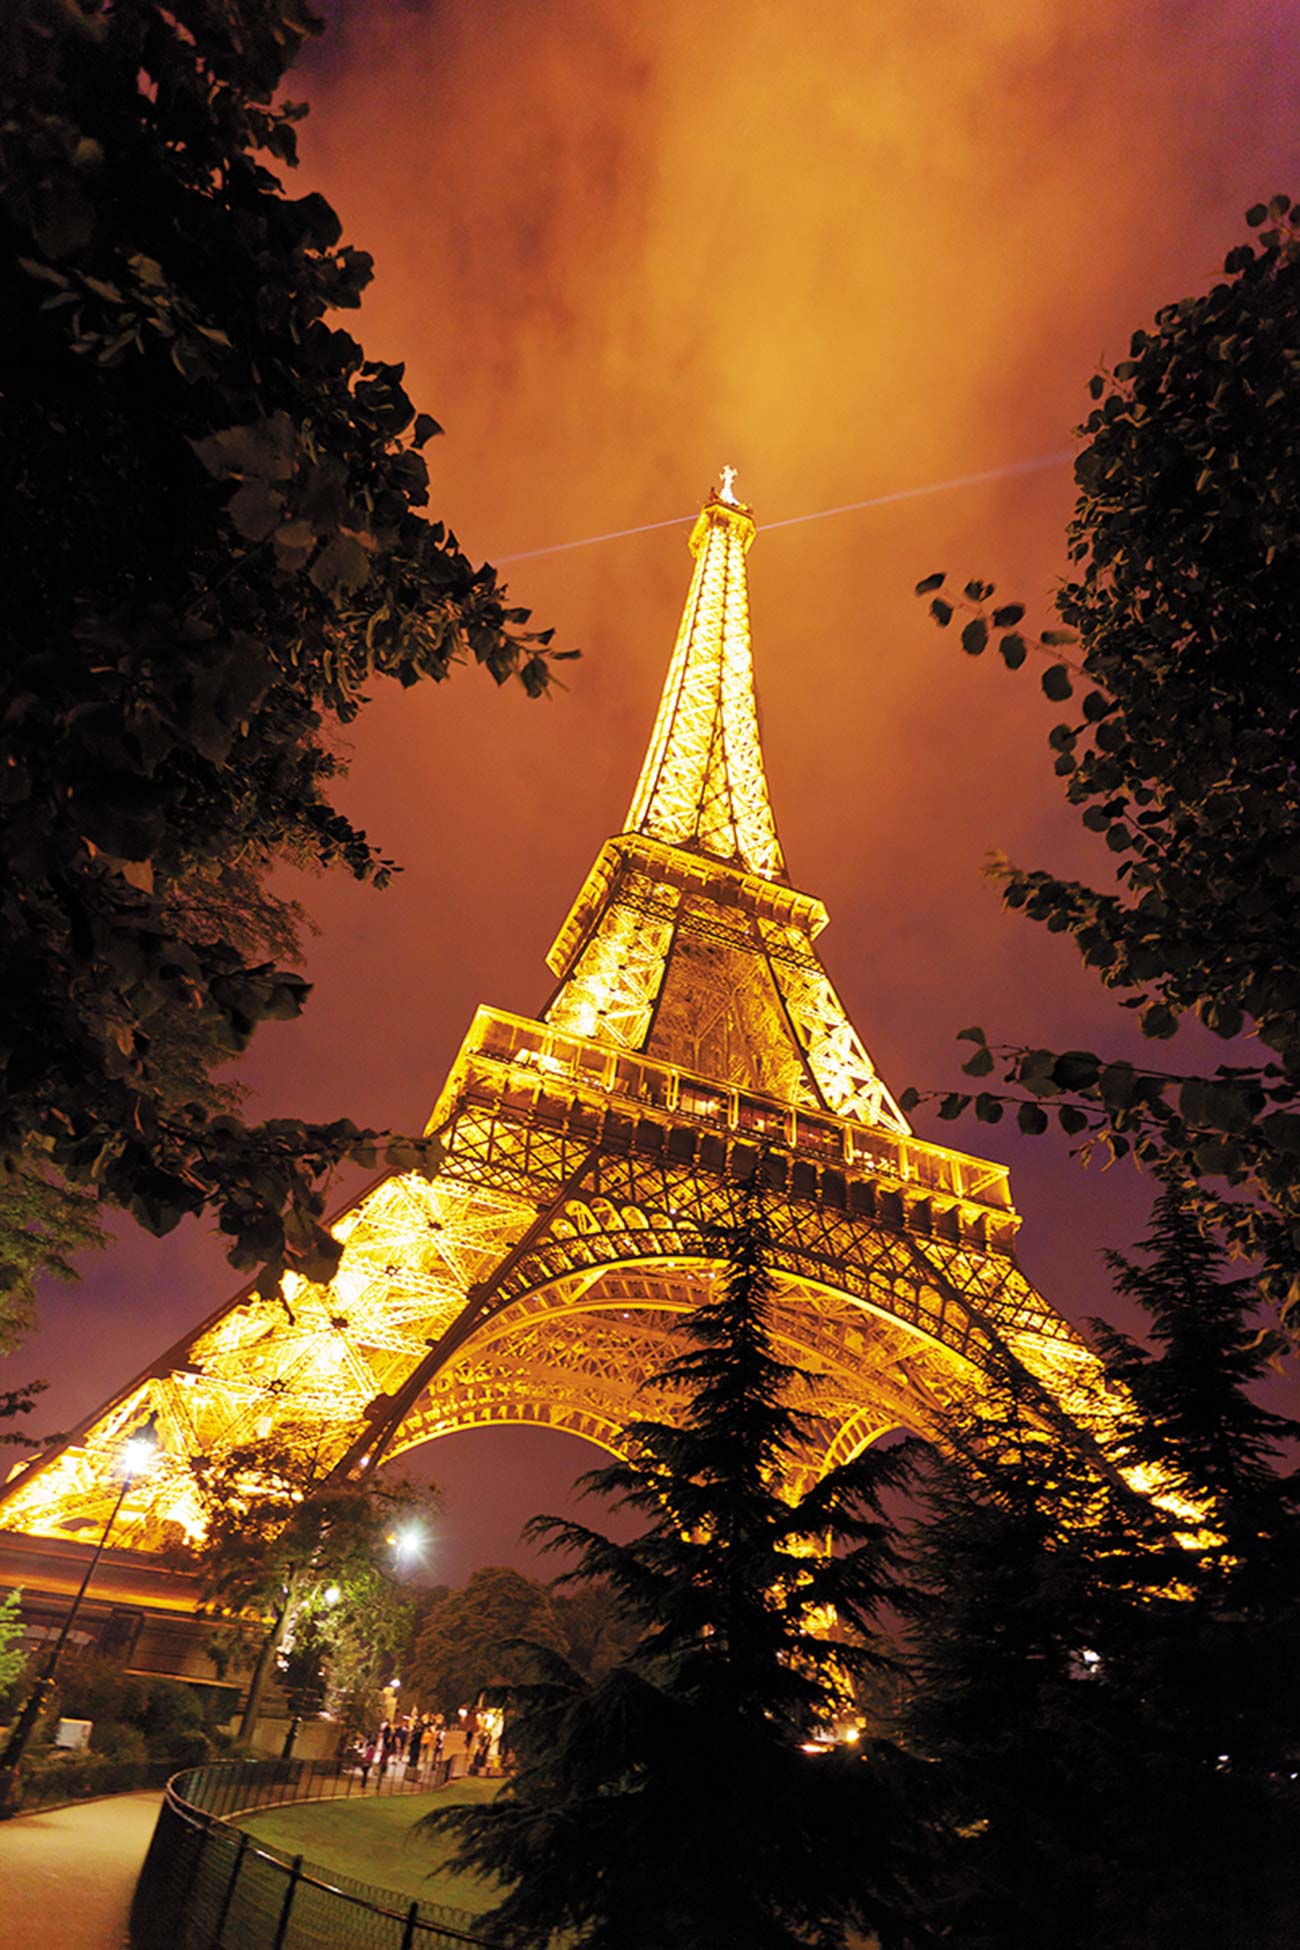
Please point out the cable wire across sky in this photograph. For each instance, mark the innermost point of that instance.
(1038, 464)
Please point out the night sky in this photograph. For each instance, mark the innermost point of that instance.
(851, 249)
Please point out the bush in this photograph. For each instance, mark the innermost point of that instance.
(136, 1717)
(115, 1740)
(171, 1715)
(57, 1778)
(91, 1687)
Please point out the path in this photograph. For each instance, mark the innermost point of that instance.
(68, 1873)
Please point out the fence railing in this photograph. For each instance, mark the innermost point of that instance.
(239, 1786)
(207, 1885)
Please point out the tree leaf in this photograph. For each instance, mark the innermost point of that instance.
(342, 567)
(255, 508)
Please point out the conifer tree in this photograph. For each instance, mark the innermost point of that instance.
(1106, 1686)
(1197, 1419)
(1022, 1562)
(1212, 1681)
(675, 1800)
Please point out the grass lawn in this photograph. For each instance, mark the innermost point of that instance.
(370, 1839)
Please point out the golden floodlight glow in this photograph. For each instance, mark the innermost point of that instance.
(589, 1161)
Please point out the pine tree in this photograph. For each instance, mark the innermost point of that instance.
(1106, 1686)
(1197, 1418)
(1022, 1559)
(675, 1799)
(1212, 1682)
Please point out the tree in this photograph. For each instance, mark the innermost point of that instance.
(673, 1799)
(362, 1636)
(290, 1551)
(1024, 1586)
(1212, 1683)
(216, 548)
(1106, 1687)
(1180, 752)
(470, 1640)
(13, 1660)
(595, 1630)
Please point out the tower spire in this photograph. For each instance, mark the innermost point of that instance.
(687, 940)
(702, 785)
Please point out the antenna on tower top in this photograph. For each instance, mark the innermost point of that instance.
(728, 482)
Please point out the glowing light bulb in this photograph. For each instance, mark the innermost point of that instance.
(408, 1542)
(137, 1455)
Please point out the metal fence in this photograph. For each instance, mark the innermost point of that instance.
(207, 1885)
(239, 1786)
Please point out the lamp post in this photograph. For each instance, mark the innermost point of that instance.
(137, 1454)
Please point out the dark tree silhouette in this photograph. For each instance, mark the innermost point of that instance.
(1211, 1678)
(215, 548)
(1180, 752)
(1107, 1687)
(1022, 1563)
(673, 1800)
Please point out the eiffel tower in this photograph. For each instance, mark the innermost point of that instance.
(587, 1158)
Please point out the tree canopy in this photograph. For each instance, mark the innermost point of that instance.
(469, 1640)
(1180, 752)
(217, 545)
(302, 1562)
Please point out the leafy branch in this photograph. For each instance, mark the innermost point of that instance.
(1185, 560)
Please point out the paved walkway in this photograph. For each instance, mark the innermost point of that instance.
(67, 1873)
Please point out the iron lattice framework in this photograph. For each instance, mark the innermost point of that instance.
(588, 1159)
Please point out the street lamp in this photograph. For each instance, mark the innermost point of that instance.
(136, 1456)
(408, 1542)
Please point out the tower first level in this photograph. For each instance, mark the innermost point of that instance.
(589, 1158)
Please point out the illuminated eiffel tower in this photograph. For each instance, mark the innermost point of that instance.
(588, 1157)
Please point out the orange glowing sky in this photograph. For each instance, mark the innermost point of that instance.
(850, 248)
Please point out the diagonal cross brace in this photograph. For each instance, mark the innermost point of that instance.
(366, 1451)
